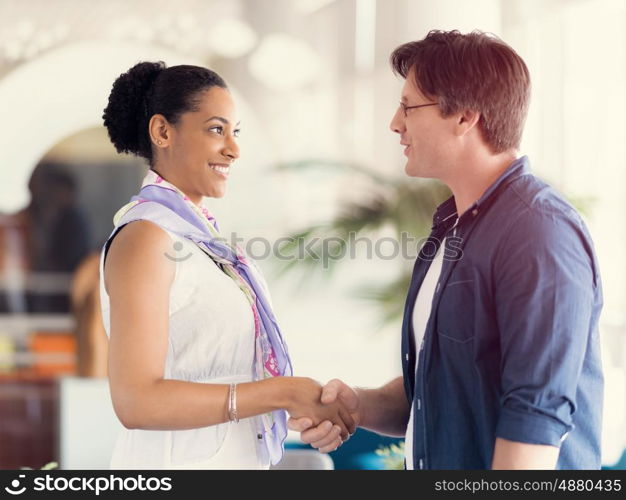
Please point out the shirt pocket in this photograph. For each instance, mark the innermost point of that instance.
(455, 313)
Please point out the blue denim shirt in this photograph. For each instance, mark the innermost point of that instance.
(511, 348)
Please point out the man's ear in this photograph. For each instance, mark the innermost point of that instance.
(159, 130)
(466, 121)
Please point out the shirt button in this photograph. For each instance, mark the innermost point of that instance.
(475, 212)
(259, 436)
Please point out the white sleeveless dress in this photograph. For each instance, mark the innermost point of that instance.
(211, 340)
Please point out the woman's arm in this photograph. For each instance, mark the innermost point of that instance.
(138, 277)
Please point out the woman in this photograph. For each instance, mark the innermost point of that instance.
(197, 363)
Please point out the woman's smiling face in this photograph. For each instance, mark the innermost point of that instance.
(200, 148)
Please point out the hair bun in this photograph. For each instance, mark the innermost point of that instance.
(125, 115)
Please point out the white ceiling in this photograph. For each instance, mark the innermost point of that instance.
(28, 28)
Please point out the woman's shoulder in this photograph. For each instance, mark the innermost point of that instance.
(140, 248)
(140, 237)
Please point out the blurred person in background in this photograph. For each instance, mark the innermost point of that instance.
(50, 235)
(198, 370)
(59, 230)
(91, 339)
(500, 346)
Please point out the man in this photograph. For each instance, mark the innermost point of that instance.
(500, 347)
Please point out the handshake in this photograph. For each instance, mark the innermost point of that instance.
(325, 416)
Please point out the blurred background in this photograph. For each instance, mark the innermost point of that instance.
(316, 94)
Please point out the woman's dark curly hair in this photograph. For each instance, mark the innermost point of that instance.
(150, 88)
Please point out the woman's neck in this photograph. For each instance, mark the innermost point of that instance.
(196, 200)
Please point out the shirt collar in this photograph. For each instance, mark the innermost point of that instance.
(446, 212)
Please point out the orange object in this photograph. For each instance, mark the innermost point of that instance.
(54, 353)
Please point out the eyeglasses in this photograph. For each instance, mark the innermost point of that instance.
(405, 108)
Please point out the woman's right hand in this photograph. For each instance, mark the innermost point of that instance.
(305, 401)
(326, 436)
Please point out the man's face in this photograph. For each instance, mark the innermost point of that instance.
(426, 135)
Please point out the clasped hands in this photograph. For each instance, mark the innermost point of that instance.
(325, 416)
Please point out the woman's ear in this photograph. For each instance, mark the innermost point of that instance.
(158, 128)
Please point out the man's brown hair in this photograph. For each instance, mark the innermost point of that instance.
(475, 71)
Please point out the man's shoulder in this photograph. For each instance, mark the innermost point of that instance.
(531, 214)
(529, 200)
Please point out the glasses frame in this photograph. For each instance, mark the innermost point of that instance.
(406, 108)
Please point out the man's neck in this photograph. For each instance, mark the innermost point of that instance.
(474, 176)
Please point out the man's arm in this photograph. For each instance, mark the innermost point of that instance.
(545, 297)
(513, 455)
(384, 410)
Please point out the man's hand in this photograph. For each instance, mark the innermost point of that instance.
(306, 401)
(326, 437)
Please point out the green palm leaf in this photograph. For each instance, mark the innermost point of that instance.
(405, 205)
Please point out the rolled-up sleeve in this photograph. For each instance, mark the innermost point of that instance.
(545, 283)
